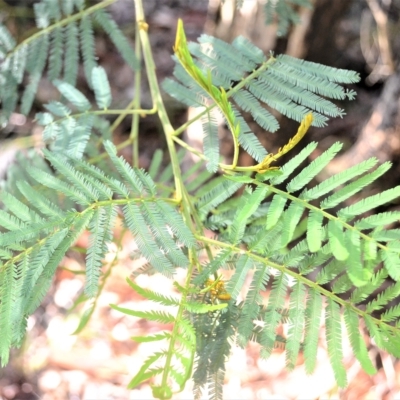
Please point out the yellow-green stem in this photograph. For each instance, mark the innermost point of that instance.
(136, 103)
(156, 95)
(168, 130)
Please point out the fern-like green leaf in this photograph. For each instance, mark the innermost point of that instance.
(56, 51)
(73, 95)
(77, 179)
(19, 60)
(249, 141)
(152, 338)
(144, 239)
(311, 335)
(354, 187)
(7, 283)
(158, 316)
(361, 293)
(87, 47)
(308, 173)
(354, 262)
(35, 65)
(67, 6)
(391, 261)
(55, 183)
(275, 210)
(159, 229)
(249, 50)
(44, 280)
(378, 220)
(6, 39)
(291, 165)
(383, 298)
(100, 228)
(200, 308)
(334, 341)
(338, 179)
(183, 94)
(219, 261)
(18, 322)
(101, 87)
(357, 342)
(142, 375)
(71, 56)
(126, 171)
(220, 192)
(19, 209)
(250, 203)
(282, 103)
(370, 202)
(296, 318)
(251, 304)
(10, 222)
(249, 103)
(235, 284)
(39, 262)
(117, 37)
(391, 314)
(314, 230)
(79, 139)
(291, 218)
(337, 240)
(386, 235)
(211, 141)
(176, 224)
(322, 71)
(114, 184)
(56, 108)
(272, 316)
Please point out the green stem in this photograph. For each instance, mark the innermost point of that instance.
(156, 95)
(120, 118)
(134, 136)
(168, 130)
(121, 113)
(182, 196)
(189, 148)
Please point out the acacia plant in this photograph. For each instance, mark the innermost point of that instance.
(270, 221)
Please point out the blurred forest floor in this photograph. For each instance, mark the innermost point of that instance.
(99, 362)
